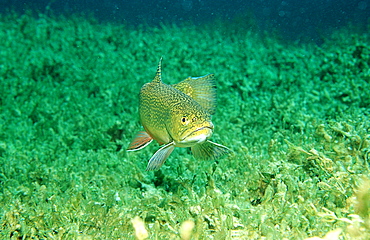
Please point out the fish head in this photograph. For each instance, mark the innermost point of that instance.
(190, 127)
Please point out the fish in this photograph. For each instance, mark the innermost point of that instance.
(178, 115)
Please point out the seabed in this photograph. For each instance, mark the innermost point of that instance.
(295, 114)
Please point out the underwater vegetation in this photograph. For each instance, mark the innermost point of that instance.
(295, 115)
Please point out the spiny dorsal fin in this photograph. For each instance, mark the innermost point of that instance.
(201, 89)
(158, 76)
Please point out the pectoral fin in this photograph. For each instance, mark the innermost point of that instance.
(140, 141)
(160, 156)
(209, 150)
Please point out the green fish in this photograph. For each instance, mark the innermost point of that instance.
(178, 115)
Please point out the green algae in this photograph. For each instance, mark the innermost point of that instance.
(296, 116)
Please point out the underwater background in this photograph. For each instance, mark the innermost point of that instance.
(293, 82)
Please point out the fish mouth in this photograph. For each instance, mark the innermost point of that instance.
(198, 135)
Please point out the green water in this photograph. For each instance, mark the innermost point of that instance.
(296, 116)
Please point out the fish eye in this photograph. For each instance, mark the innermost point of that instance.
(184, 120)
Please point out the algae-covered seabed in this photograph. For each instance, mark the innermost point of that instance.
(296, 116)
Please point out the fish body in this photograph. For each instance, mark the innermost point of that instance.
(178, 115)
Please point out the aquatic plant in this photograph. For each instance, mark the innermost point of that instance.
(296, 116)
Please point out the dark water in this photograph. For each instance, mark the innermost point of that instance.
(291, 18)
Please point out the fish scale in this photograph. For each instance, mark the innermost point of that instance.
(178, 115)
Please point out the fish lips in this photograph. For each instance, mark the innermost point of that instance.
(198, 135)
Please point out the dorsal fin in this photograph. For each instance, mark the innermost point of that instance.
(158, 75)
